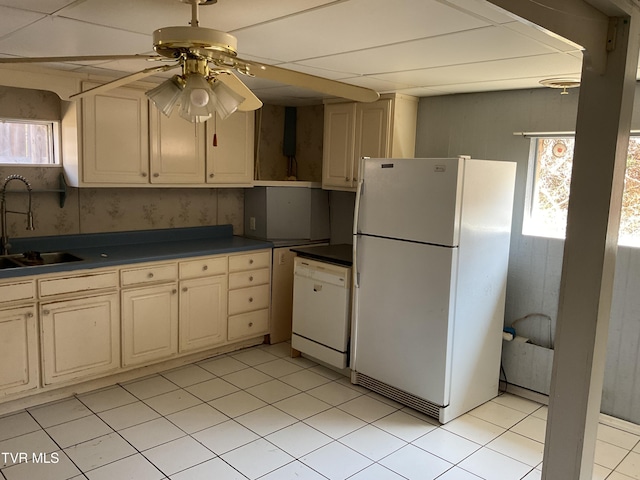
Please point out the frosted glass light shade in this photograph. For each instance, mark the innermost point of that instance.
(166, 95)
(228, 100)
(198, 103)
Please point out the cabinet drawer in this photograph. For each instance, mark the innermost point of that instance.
(248, 324)
(248, 299)
(248, 279)
(249, 261)
(78, 283)
(203, 267)
(11, 292)
(155, 273)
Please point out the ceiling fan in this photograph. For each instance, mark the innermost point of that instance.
(209, 62)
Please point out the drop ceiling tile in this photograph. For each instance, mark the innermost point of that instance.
(511, 84)
(422, 92)
(12, 19)
(43, 6)
(320, 72)
(54, 36)
(483, 9)
(542, 65)
(484, 44)
(529, 31)
(378, 84)
(352, 25)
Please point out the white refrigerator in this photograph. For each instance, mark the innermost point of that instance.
(431, 247)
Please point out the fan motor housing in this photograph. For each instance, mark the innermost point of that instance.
(173, 41)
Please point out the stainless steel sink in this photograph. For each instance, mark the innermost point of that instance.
(36, 259)
(6, 262)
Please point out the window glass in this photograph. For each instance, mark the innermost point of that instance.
(27, 142)
(549, 181)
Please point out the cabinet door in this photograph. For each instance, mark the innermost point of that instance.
(203, 312)
(18, 350)
(149, 324)
(177, 149)
(230, 161)
(338, 145)
(115, 137)
(373, 122)
(80, 337)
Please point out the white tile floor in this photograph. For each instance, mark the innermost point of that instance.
(260, 414)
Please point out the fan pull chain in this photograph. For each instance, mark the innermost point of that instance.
(215, 130)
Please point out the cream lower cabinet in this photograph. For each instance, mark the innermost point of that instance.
(18, 349)
(203, 303)
(80, 337)
(149, 314)
(249, 294)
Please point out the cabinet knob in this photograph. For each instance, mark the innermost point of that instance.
(144, 174)
(251, 261)
(156, 175)
(45, 312)
(174, 291)
(251, 278)
(347, 179)
(251, 324)
(205, 267)
(184, 289)
(211, 175)
(30, 315)
(150, 275)
(250, 299)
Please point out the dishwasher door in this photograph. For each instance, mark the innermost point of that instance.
(321, 309)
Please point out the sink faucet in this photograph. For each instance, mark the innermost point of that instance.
(5, 238)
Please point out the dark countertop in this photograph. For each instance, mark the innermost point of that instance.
(99, 250)
(341, 254)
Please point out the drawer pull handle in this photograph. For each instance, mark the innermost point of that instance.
(150, 275)
(251, 261)
(184, 289)
(250, 299)
(251, 324)
(205, 267)
(251, 278)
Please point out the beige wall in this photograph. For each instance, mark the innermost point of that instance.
(272, 164)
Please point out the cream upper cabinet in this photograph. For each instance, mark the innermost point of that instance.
(382, 129)
(230, 160)
(177, 149)
(19, 352)
(115, 137)
(80, 337)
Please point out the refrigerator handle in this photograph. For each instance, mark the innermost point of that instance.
(356, 214)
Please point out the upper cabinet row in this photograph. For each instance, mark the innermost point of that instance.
(126, 141)
(382, 129)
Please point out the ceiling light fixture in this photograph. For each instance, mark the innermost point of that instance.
(562, 83)
(197, 92)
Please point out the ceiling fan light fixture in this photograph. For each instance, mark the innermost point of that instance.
(198, 102)
(228, 100)
(166, 95)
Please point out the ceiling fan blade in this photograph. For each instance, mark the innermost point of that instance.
(251, 102)
(312, 82)
(123, 81)
(80, 58)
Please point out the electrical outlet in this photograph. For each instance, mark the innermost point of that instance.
(252, 223)
(281, 259)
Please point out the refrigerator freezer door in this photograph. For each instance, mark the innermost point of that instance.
(414, 199)
(404, 311)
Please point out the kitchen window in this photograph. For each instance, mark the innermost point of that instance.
(29, 142)
(548, 189)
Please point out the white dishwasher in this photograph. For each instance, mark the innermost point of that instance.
(321, 310)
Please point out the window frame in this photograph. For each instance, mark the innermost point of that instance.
(533, 167)
(54, 133)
